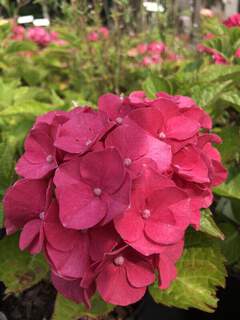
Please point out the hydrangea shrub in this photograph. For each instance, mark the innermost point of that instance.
(108, 195)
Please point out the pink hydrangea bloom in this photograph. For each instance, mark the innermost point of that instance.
(104, 31)
(18, 33)
(93, 36)
(156, 47)
(108, 195)
(219, 59)
(39, 35)
(233, 21)
(237, 53)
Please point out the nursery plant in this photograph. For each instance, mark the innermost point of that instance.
(111, 195)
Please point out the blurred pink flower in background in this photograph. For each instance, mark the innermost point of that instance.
(18, 33)
(219, 59)
(39, 35)
(104, 32)
(233, 21)
(93, 36)
(101, 33)
(156, 47)
(237, 53)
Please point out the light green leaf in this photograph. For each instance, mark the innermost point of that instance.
(209, 226)
(230, 148)
(200, 271)
(231, 188)
(217, 72)
(232, 98)
(205, 95)
(17, 46)
(68, 310)
(19, 270)
(7, 162)
(154, 84)
(29, 107)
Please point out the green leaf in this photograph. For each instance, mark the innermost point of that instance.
(231, 188)
(32, 107)
(154, 84)
(200, 270)
(17, 46)
(68, 310)
(7, 162)
(19, 270)
(209, 226)
(230, 148)
(205, 95)
(217, 72)
(231, 245)
(232, 98)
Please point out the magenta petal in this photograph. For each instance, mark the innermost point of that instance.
(70, 289)
(135, 144)
(68, 173)
(81, 132)
(79, 207)
(118, 202)
(57, 236)
(149, 119)
(140, 273)
(71, 264)
(103, 169)
(113, 106)
(32, 236)
(130, 225)
(167, 271)
(189, 164)
(146, 246)
(34, 163)
(102, 240)
(24, 201)
(114, 287)
(181, 128)
(163, 233)
(30, 170)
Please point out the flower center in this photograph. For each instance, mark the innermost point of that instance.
(97, 191)
(49, 158)
(41, 215)
(146, 213)
(162, 135)
(119, 120)
(127, 162)
(88, 142)
(118, 261)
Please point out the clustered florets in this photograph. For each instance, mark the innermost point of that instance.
(108, 195)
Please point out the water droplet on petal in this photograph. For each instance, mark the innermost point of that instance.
(118, 261)
(97, 191)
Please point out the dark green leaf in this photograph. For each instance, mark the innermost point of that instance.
(68, 310)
